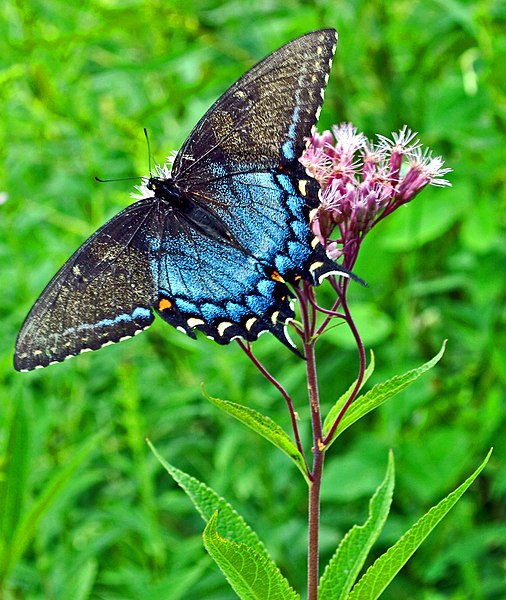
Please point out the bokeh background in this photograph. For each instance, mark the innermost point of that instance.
(79, 81)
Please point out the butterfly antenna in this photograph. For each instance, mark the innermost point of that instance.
(149, 149)
(131, 178)
(117, 179)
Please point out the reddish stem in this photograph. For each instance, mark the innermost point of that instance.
(308, 314)
(309, 333)
(271, 379)
(362, 365)
(316, 478)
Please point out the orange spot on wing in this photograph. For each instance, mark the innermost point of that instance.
(277, 277)
(164, 304)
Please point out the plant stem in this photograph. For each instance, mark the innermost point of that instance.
(362, 362)
(314, 526)
(309, 324)
(271, 379)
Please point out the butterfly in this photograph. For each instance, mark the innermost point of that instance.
(216, 239)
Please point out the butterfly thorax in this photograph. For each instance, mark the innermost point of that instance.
(167, 191)
(196, 213)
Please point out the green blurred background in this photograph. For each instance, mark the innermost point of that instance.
(78, 84)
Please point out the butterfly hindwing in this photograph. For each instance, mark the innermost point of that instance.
(101, 295)
(212, 286)
(269, 217)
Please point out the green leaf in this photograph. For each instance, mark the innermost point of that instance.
(207, 502)
(242, 557)
(381, 573)
(344, 567)
(382, 392)
(27, 527)
(336, 409)
(251, 575)
(266, 427)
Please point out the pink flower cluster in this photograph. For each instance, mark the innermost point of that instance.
(363, 182)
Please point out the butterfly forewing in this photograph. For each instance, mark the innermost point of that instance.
(263, 119)
(242, 157)
(103, 293)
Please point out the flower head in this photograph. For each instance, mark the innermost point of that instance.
(362, 182)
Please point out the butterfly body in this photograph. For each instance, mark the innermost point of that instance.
(214, 241)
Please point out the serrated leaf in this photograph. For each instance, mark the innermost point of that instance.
(251, 575)
(344, 567)
(336, 409)
(381, 573)
(207, 502)
(266, 427)
(382, 392)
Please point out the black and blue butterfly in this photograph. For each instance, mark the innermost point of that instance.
(216, 239)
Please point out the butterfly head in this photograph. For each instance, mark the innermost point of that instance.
(154, 183)
(151, 184)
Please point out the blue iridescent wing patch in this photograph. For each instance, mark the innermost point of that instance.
(215, 241)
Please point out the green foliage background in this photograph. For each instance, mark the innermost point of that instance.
(78, 84)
